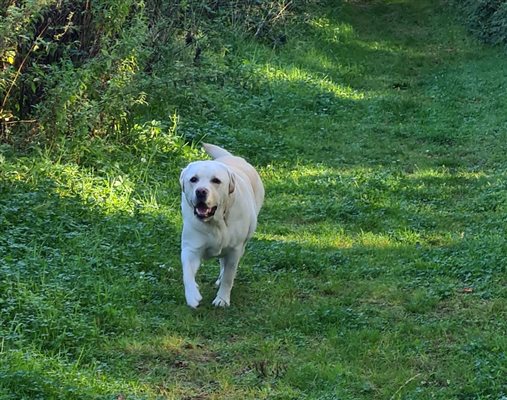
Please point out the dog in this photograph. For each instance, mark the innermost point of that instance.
(220, 201)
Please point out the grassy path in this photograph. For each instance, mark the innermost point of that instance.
(379, 266)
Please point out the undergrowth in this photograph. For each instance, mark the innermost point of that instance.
(486, 19)
(82, 69)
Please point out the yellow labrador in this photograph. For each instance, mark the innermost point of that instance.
(220, 201)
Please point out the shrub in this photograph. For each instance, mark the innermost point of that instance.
(487, 19)
(78, 68)
(66, 64)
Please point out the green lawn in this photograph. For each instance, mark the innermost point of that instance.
(378, 270)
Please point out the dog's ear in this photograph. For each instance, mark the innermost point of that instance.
(232, 182)
(182, 183)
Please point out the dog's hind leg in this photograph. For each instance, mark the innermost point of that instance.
(229, 265)
(220, 276)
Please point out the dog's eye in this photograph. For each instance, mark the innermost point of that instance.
(216, 181)
(194, 179)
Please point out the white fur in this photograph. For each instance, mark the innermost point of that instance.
(236, 190)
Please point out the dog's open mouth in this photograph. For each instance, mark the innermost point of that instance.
(202, 211)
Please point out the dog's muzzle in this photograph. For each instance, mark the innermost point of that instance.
(201, 209)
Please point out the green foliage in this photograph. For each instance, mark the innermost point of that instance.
(487, 19)
(70, 67)
(75, 69)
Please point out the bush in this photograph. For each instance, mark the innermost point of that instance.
(487, 19)
(66, 64)
(79, 68)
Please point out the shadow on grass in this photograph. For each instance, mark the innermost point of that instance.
(371, 97)
(73, 273)
(86, 290)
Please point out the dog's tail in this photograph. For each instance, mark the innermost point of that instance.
(215, 151)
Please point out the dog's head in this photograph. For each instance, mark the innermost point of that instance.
(207, 187)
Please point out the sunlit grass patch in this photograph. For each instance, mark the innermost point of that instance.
(332, 31)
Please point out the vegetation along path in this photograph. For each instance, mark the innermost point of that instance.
(378, 270)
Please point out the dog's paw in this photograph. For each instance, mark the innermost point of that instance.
(193, 297)
(220, 302)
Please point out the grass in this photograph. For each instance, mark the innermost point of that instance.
(379, 267)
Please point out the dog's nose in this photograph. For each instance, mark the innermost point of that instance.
(201, 193)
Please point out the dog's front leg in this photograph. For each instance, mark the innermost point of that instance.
(191, 263)
(228, 267)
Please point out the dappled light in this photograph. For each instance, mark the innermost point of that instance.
(322, 83)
